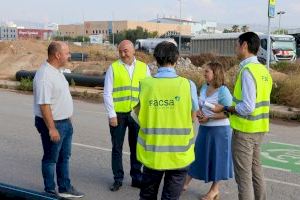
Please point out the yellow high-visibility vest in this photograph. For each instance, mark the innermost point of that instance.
(125, 90)
(258, 120)
(166, 136)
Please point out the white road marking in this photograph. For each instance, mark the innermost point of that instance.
(292, 145)
(276, 168)
(97, 148)
(282, 182)
(127, 153)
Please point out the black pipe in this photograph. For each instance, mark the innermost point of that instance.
(13, 192)
(79, 79)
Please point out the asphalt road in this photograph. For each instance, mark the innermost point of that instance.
(21, 152)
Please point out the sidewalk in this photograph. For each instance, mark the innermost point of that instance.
(96, 94)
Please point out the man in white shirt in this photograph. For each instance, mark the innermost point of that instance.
(121, 90)
(53, 108)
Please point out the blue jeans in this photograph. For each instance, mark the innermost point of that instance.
(56, 155)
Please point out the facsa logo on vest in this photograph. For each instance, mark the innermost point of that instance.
(163, 103)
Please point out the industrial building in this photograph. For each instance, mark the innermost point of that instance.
(108, 27)
(8, 33)
(40, 34)
(197, 27)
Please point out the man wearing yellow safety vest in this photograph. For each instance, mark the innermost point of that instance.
(121, 92)
(249, 118)
(165, 145)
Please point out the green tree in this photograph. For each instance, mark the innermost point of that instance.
(281, 31)
(227, 30)
(133, 35)
(72, 39)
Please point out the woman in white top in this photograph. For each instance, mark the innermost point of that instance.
(213, 161)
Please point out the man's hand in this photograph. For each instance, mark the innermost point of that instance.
(113, 121)
(218, 108)
(54, 135)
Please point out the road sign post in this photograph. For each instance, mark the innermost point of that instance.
(271, 14)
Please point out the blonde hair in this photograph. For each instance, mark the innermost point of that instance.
(219, 74)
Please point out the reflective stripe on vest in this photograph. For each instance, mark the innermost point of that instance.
(174, 149)
(258, 120)
(166, 136)
(126, 90)
(167, 131)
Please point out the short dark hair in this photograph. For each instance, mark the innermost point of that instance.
(252, 41)
(166, 53)
(53, 48)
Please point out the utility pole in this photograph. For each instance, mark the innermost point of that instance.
(82, 59)
(280, 13)
(179, 40)
(112, 29)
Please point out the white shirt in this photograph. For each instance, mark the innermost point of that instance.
(213, 99)
(51, 87)
(108, 87)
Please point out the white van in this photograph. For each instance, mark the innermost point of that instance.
(149, 44)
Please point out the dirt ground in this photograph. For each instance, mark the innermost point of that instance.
(30, 54)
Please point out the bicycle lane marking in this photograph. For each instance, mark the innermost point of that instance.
(281, 156)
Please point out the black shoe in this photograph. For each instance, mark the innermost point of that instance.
(116, 186)
(136, 184)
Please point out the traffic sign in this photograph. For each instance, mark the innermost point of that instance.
(271, 12)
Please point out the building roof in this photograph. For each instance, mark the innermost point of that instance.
(294, 31)
(176, 19)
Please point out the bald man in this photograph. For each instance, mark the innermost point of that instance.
(53, 109)
(121, 91)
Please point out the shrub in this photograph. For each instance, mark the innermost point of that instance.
(227, 62)
(26, 84)
(286, 67)
(289, 92)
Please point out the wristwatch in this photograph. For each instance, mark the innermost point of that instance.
(226, 109)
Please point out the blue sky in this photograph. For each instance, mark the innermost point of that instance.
(221, 11)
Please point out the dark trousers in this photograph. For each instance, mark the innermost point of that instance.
(56, 155)
(173, 183)
(117, 139)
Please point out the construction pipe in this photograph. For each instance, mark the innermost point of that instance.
(79, 79)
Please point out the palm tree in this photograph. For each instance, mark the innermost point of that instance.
(235, 28)
(245, 28)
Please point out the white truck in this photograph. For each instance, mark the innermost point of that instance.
(283, 47)
(149, 44)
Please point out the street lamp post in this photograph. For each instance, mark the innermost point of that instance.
(280, 13)
(179, 40)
